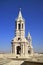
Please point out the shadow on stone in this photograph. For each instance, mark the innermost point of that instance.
(31, 63)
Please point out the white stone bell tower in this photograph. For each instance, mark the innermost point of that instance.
(20, 25)
(21, 45)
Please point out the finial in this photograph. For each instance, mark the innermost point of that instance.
(20, 9)
(28, 33)
(20, 14)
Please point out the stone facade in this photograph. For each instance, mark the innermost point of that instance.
(21, 45)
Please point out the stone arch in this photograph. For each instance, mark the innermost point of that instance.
(18, 49)
(19, 26)
(22, 25)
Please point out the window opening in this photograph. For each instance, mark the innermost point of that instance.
(22, 26)
(18, 49)
(19, 26)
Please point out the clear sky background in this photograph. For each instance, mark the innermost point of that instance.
(32, 11)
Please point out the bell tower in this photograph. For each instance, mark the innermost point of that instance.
(20, 26)
(20, 45)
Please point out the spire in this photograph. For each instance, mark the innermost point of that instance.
(20, 14)
(29, 36)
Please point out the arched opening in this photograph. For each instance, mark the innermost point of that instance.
(19, 26)
(18, 38)
(22, 25)
(18, 49)
(29, 52)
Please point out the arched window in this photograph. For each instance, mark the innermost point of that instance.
(29, 50)
(19, 26)
(22, 25)
(18, 38)
(18, 49)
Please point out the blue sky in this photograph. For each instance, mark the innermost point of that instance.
(32, 11)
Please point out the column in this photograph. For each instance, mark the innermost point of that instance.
(15, 50)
